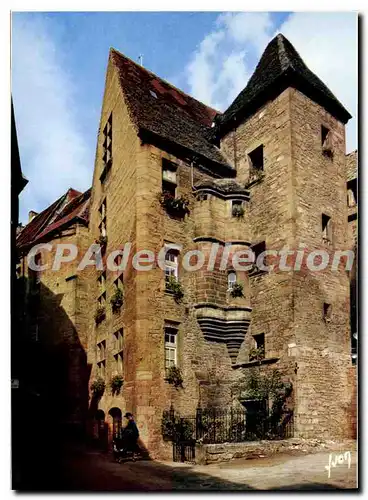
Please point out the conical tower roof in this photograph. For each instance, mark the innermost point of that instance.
(279, 67)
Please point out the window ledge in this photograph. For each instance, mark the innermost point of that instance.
(254, 180)
(248, 364)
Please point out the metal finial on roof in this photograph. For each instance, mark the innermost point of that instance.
(140, 59)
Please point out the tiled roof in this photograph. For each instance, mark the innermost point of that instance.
(163, 111)
(279, 67)
(352, 165)
(70, 207)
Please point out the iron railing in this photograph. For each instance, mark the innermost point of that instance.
(218, 425)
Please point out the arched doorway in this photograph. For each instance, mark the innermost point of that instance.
(101, 428)
(116, 415)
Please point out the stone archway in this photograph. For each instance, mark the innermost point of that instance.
(102, 428)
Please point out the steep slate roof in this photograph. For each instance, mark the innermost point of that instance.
(71, 207)
(352, 165)
(279, 67)
(162, 111)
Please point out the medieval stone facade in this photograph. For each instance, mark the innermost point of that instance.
(268, 174)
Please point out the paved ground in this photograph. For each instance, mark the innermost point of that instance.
(84, 469)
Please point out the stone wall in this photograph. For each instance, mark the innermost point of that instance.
(56, 352)
(216, 453)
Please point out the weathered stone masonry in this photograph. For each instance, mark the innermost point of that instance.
(278, 120)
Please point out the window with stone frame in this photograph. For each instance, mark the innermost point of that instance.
(259, 345)
(118, 339)
(171, 347)
(237, 208)
(118, 358)
(171, 264)
(101, 369)
(352, 193)
(106, 149)
(231, 280)
(327, 312)
(256, 158)
(258, 249)
(169, 177)
(326, 228)
(101, 358)
(326, 141)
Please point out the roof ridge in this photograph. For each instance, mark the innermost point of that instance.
(112, 49)
(284, 59)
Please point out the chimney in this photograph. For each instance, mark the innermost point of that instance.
(31, 215)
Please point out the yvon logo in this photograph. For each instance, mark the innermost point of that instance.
(340, 459)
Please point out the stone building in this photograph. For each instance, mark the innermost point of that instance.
(277, 154)
(270, 173)
(54, 315)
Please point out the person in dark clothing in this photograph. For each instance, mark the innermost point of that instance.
(130, 434)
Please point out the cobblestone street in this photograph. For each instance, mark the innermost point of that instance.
(87, 470)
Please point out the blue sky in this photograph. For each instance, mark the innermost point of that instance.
(59, 62)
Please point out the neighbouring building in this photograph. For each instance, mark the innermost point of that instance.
(269, 173)
(54, 316)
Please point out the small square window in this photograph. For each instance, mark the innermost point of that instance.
(171, 264)
(237, 209)
(169, 188)
(260, 340)
(259, 352)
(170, 347)
(326, 140)
(327, 310)
(258, 249)
(101, 350)
(231, 280)
(118, 340)
(256, 158)
(324, 134)
(352, 193)
(326, 228)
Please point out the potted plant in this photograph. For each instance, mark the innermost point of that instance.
(256, 354)
(237, 290)
(238, 211)
(174, 376)
(175, 287)
(98, 387)
(174, 205)
(116, 383)
(117, 300)
(100, 314)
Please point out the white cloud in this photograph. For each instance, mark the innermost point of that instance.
(326, 41)
(53, 151)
